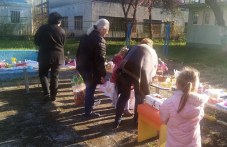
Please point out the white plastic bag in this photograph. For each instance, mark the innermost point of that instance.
(109, 89)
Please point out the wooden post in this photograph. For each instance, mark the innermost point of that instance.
(26, 82)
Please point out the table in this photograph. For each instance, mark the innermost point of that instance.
(149, 124)
(159, 87)
(212, 106)
(215, 107)
(24, 74)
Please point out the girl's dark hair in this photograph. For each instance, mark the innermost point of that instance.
(54, 18)
(186, 81)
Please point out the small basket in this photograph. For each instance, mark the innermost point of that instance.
(79, 94)
(78, 88)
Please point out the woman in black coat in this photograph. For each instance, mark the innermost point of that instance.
(90, 59)
(50, 39)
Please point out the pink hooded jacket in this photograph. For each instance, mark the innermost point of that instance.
(183, 128)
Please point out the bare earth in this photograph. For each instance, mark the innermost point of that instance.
(26, 121)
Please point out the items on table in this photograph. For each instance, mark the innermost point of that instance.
(217, 98)
(13, 60)
(18, 65)
(3, 64)
(222, 105)
(164, 81)
(154, 100)
(215, 95)
(70, 62)
(162, 67)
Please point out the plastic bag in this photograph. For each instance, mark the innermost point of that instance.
(109, 89)
(78, 88)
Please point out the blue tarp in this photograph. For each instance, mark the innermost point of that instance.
(20, 55)
(8, 75)
(17, 73)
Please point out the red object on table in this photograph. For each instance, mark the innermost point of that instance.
(21, 64)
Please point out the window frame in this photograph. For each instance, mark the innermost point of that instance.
(65, 22)
(78, 23)
(15, 16)
(195, 14)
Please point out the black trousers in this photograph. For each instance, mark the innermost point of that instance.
(124, 83)
(54, 74)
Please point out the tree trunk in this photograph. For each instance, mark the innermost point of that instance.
(220, 21)
(125, 11)
(150, 24)
(217, 11)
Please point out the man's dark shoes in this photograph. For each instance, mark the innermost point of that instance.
(46, 98)
(53, 98)
(91, 115)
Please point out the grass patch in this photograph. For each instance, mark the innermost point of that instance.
(16, 44)
(177, 51)
(188, 55)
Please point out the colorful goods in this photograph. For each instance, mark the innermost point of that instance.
(222, 105)
(162, 66)
(214, 96)
(3, 64)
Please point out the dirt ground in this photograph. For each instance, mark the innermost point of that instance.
(26, 121)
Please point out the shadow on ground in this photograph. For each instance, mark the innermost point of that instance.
(26, 121)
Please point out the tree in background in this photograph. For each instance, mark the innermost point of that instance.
(217, 11)
(214, 5)
(168, 6)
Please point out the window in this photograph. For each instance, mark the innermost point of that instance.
(194, 1)
(195, 16)
(78, 22)
(15, 16)
(64, 22)
(206, 17)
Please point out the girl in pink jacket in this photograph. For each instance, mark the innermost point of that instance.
(183, 111)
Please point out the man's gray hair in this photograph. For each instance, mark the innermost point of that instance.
(100, 24)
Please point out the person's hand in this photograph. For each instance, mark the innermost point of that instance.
(103, 80)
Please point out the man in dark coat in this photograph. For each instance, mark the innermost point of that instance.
(90, 60)
(50, 39)
(137, 69)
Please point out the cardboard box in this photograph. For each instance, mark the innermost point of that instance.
(154, 100)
